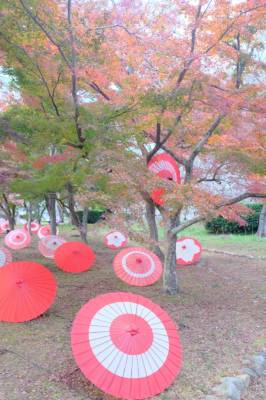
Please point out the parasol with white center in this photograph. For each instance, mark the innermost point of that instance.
(34, 227)
(115, 240)
(48, 245)
(188, 251)
(126, 345)
(17, 239)
(137, 266)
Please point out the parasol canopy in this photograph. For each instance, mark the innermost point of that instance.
(115, 240)
(188, 251)
(74, 257)
(49, 244)
(45, 231)
(4, 226)
(17, 239)
(34, 227)
(27, 290)
(5, 256)
(165, 167)
(137, 266)
(126, 345)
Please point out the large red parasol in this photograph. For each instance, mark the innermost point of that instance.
(17, 239)
(27, 290)
(126, 345)
(74, 257)
(188, 251)
(115, 240)
(137, 266)
(5, 256)
(49, 244)
(34, 227)
(45, 231)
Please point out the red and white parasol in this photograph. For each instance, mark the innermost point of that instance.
(27, 290)
(137, 266)
(45, 231)
(115, 240)
(17, 239)
(165, 167)
(126, 345)
(4, 226)
(34, 227)
(5, 256)
(188, 251)
(74, 257)
(48, 245)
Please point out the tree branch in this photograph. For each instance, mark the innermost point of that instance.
(199, 146)
(226, 203)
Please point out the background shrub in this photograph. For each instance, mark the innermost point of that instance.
(93, 215)
(221, 225)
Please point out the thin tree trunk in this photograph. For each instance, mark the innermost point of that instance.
(84, 225)
(11, 217)
(170, 281)
(71, 205)
(29, 209)
(9, 211)
(51, 200)
(261, 232)
(151, 220)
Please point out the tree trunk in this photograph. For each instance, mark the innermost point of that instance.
(51, 200)
(84, 225)
(10, 212)
(170, 282)
(151, 220)
(11, 218)
(29, 209)
(71, 206)
(261, 232)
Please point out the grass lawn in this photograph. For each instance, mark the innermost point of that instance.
(239, 244)
(220, 312)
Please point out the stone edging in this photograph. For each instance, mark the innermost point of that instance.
(235, 387)
(227, 253)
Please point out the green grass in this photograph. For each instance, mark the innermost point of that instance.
(240, 244)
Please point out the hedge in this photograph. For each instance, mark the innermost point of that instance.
(221, 225)
(93, 215)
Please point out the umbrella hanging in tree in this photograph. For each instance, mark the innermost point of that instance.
(115, 240)
(48, 245)
(34, 227)
(74, 257)
(5, 256)
(167, 168)
(188, 251)
(137, 266)
(17, 239)
(126, 345)
(27, 290)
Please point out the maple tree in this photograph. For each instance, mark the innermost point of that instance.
(107, 79)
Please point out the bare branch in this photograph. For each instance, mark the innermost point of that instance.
(40, 24)
(199, 146)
